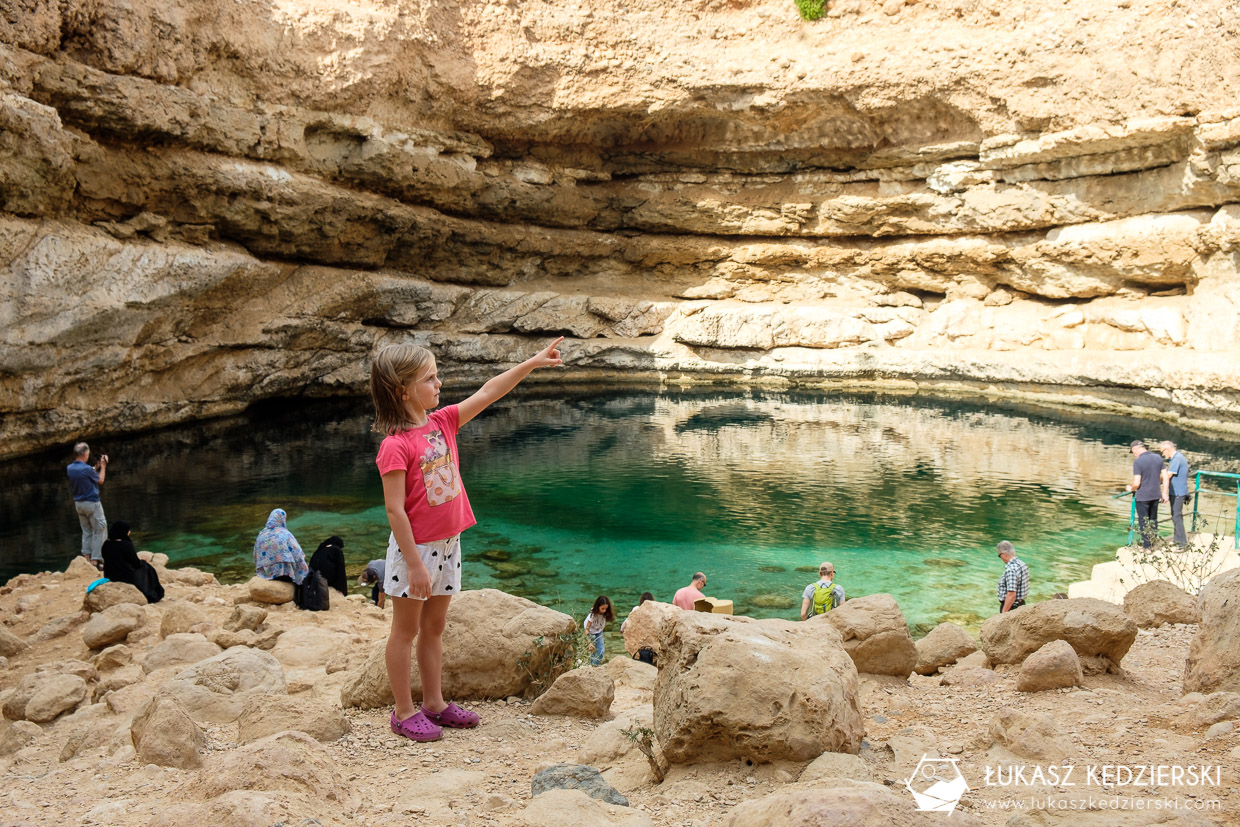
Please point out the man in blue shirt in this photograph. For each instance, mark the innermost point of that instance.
(84, 482)
(1175, 487)
(1146, 488)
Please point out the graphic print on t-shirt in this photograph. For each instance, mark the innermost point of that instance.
(438, 472)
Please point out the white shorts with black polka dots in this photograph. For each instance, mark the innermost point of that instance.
(442, 559)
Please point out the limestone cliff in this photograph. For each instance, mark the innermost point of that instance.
(207, 203)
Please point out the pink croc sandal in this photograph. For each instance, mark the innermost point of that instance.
(453, 716)
(416, 728)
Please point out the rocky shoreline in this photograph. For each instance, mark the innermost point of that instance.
(218, 705)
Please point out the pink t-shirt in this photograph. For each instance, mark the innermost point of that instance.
(686, 597)
(435, 498)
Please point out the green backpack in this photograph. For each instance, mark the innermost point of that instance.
(824, 598)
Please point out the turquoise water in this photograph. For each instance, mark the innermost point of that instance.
(622, 493)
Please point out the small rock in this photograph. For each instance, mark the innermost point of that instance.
(576, 777)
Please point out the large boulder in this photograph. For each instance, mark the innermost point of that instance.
(1100, 632)
(263, 590)
(943, 646)
(164, 734)
(1214, 655)
(288, 762)
(582, 693)
(765, 690)
(109, 594)
(856, 803)
(644, 625)
(112, 625)
(180, 616)
(44, 696)
(266, 714)
(216, 690)
(875, 634)
(1159, 602)
(178, 649)
(1054, 666)
(524, 649)
(10, 644)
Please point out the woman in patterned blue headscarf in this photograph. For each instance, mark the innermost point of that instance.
(277, 554)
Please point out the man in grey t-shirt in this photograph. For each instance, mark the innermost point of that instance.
(1146, 488)
(1175, 487)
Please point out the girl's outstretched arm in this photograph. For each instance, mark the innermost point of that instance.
(497, 387)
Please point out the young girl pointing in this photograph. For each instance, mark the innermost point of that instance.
(428, 509)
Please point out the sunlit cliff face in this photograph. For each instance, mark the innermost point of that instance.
(205, 204)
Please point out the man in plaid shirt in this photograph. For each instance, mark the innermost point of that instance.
(1014, 584)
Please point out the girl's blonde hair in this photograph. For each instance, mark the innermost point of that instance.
(390, 370)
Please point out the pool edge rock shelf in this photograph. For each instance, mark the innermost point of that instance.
(203, 205)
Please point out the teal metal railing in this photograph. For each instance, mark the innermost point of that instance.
(1196, 496)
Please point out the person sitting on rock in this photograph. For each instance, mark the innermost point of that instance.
(689, 595)
(328, 560)
(823, 595)
(122, 564)
(277, 554)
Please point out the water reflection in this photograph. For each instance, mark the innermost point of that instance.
(622, 493)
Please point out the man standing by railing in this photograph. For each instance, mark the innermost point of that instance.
(1175, 488)
(1146, 488)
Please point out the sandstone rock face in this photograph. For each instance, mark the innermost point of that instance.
(478, 666)
(112, 625)
(1095, 629)
(712, 668)
(106, 595)
(586, 692)
(179, 617)
(1158, 602)
(875, 634)
(266, 714)
(263, 590)
(163, 734)
(1054, 666)
(1214, 655)
(860, 221)
(943, 646)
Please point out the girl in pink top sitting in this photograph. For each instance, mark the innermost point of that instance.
(428, 509)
